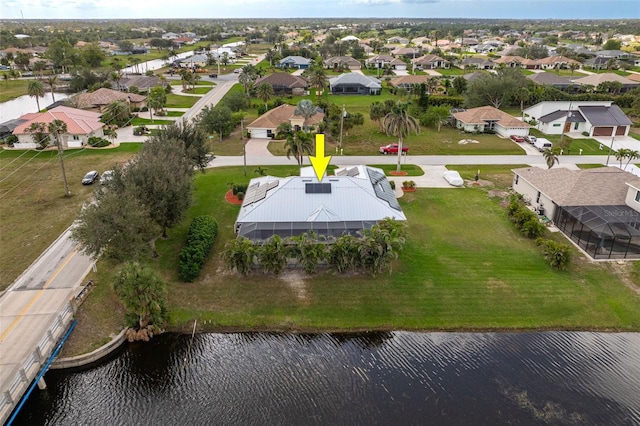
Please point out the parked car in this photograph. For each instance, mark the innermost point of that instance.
(236, 71)
(517, 138)
(530, 139)
(213, 75)
(90, 177)
(453, 177)
(392, 148)
(106, 177)
(543, 144)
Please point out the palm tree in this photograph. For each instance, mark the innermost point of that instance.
(118, 113)
(51, 82)
(272, 255)
(265, 92)
(298, 144)
(248, 76)
(573, 66)
(318, 79)
(239, 254)
(550, 157)
(631, 155)
(399, 123)
(36, 89)
(306, 109)
(523, 94)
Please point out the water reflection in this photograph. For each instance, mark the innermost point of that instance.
(370, 378)
(26, 104)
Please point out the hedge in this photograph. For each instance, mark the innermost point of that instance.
(200, 238)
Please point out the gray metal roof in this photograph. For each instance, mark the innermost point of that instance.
(366, 196)
(572, 117)
(605, 116)
(355, 78)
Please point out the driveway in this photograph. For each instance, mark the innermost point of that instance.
(258, 147)
(626, 142)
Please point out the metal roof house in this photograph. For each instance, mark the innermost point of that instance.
(356, 198)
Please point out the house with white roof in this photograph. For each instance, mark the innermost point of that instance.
(355, 199)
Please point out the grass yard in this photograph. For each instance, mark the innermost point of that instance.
(573, 146)
(12, 89)
(32, 195)
(138, 121)
(201, 90)
(464, 268)
(175, 113)
(178, 101)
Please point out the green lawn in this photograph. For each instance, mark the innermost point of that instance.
(573, 146)
(11, 89)
(201, 90)
(174, 113)
(464, 267)
(31, 189)
(140, 121)
(178, 101)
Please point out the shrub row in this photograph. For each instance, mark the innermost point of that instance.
(98, 142)
(558, 255)
(371, 251)
(524, 219)
(202, 233)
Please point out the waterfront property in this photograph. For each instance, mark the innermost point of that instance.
(355, 84)
(356, 198)
(81, 125)
(598, 209)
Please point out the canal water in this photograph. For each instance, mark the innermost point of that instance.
(395, 378)
(26, 104)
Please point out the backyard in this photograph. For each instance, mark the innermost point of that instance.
(464, 267)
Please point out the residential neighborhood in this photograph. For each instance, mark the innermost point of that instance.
(417, 186)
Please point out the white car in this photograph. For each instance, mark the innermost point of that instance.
(453, 178)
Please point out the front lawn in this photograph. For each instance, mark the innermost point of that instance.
(178, 101)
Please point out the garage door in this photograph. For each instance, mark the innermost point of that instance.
(259, 133)
(620, 130)
(602, 131)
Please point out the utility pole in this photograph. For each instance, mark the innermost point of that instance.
(244, 146)
(613, 137)
(67, 193)
(344, 113)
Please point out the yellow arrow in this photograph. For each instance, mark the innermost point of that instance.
(319, 162)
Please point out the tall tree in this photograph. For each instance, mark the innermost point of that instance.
(306, 109)
(400, 124)
(162, 178)
(117, 113)
(248, 76)
(494, 89)
(298, 144)
(51, 81)
(143, 294)
(156, 100)
(550, 157)
(265, 92)
(318, 79)
(35, 89)
(216, 119)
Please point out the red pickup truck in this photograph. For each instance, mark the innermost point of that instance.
(393, 149)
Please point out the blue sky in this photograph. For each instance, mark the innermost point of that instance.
(216, 9)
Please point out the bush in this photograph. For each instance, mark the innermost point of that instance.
(393, 184)
(558, 255)
(240, 195)
(98, 142)
(238, 187)
(200, 238)
(524, 219)
(11, 140)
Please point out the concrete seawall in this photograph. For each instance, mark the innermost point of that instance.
(91, 357)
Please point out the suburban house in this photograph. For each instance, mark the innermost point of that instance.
(430, 62)
(195, 61)
(597, 118)
(407, 52)
(102, 97)
(382, 61)
(297, 62)
(490, 119)
(408, 81)
(355, 199)
(81, 125)
(517, 62)
(477, 63)
(265, 126)
(550, 79)
(398, 40)
(144, 83)
(284, 83)
(596, 79)
(556, 62)
(342, 62)
(598, 209)
(354, 84)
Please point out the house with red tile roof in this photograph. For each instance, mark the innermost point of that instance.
(81, 125)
